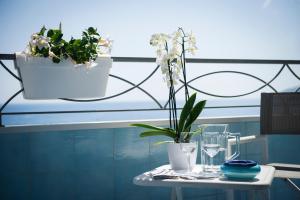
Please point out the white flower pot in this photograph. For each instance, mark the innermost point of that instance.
(178, 160)
(43, 79)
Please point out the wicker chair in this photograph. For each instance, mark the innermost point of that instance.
(280, 114)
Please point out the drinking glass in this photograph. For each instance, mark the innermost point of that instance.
(188, 149)
(222, 136)
(211, 147)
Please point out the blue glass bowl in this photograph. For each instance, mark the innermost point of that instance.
(240, 169)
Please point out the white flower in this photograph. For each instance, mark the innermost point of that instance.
(174, 77)
(159, 39)
(177, 37)
(191, 38)
(162, 58)
(171, 73)
(154, 40)
(163, 62)
(104, 42)
(174, 52)
(169, 49)
(39, 41)
(104, 46)
(34, 36)
(192, 50)
(179, 64)
(164, 69)
(160, 52)
(178, 34)
(177, 67)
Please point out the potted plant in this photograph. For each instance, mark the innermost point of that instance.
(52, 67)
(171, 51)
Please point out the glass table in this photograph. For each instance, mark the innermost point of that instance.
(260, 183)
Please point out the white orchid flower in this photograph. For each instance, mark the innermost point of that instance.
(174, 79)
(177, 67)
(159, 39)
(169, 49)
(192, 41)
(192, 50)
(174, 52)
(154, 40)
(177, 37)
(178, 34)
(164, 68)
(191, 37)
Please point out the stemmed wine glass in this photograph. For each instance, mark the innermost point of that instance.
(210, 145)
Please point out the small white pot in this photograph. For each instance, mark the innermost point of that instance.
(43, 79)
(178, 160)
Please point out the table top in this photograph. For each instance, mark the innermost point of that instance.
(286, 170)
(262, 180)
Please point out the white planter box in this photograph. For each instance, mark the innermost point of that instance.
(178, 160)
(43, 79)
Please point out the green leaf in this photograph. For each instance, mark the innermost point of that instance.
(84, 34)
(80, 50)
(194, 114)
(162, 142)
(55, 60)
(44, 51)
(157, 133)
(42, 31)
(50, 33)
(92, 31)
(155, 130)
(186, 111)
(55, 36)
(94, 40)
(149, 127)
(197, 131)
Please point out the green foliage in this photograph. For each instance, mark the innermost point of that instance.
(155, 131)
(84, 49)
(42, 31)
(188, 116)
(79, 50)
(193, 114)
(186, 111)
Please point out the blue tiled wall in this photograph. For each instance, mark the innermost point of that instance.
(100, 164)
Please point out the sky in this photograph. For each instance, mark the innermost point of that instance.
(236, 29)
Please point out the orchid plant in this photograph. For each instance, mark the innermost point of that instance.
(171, 52)
(81, 51)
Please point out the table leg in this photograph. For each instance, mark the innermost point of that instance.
(264, 194)
(258, 194)
(229, 194)
(176, 193)
(173, 194)
(251, 195)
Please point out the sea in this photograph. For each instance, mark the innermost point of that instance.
(115, 111)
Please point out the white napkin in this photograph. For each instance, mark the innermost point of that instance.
(159, 174)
